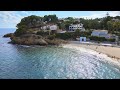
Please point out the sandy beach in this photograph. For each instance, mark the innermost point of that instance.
(112, 52)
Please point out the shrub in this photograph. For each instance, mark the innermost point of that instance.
(42, 33)
(72, 35)
(51, 37)
(20, 32)
(65, 36)
(79, 33)
(95, 38)
(111, 40)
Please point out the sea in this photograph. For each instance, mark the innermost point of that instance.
(51, 62)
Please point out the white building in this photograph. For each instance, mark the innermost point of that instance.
(100, 33)
(104, 33)
(82, 39)
(115, 20)
(50, 27)
(44, 27)
(53, 27)
(74, 27)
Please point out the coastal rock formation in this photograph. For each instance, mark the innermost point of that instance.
(29, 39)
(8, 35)
(29, 32)
(33, 39)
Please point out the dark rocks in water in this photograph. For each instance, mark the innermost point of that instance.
(8, 35)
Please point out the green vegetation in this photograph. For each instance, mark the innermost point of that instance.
(42, 33)
(32, 25)
(21, 30)
(51, 37)
(65, 36)
(101, 39)
(72, 35)
(113, 26)
(102, 23)
(50, 18)
(95, 38)
(97, 23)
(111, 40)
(61, 26)
(31, 22)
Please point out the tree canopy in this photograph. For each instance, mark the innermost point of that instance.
(97, 23)
(31, 21)
(51, 18)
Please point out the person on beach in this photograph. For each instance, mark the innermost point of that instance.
(96, 47)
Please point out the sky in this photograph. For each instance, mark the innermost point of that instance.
(9, 19)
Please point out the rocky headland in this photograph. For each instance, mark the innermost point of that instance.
(29, 32)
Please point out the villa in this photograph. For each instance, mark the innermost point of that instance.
(99, 33)
(50, 27)
(104, 33)
(115, 20)
(74, 27)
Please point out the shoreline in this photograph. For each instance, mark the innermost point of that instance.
(111, 52)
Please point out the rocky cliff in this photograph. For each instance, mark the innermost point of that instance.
(29, 32)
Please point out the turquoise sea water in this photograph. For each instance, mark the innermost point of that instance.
(34, 62)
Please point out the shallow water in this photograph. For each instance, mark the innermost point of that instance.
(23, 62)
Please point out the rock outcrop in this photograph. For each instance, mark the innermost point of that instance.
(29, 39)
(29, 32)
(8, 35)
(33, 39)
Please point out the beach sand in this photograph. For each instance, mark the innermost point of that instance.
(112, 52)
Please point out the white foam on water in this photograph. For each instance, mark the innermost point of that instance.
(92, 52)
(25, 46)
